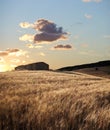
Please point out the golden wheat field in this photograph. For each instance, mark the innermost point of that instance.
(46, 100)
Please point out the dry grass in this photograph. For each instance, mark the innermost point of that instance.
(31, 100)
(101, 71)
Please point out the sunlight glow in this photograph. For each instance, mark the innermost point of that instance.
(4, 68)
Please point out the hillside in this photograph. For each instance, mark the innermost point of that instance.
(43, 100)
(101, 69)
(33, 66)
(90, 65)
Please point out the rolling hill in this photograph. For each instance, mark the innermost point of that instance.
(101, 68)
(46, 100)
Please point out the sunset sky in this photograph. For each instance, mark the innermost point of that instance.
(58, 32)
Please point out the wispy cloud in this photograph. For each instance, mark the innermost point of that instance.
(8, 51)
(34, 46)
(25, 25)
(47, 31)
(42, 54)
(3, 53)
(107, 36)
(97, 1)
(62, 47)
(2, 60)
(38, 47)
(89, 53)
(18, 53)
(12, 52)
(88, 16)
(15, 61)
(76, 36)
(30, 45)
(12, 57)
(27, 37)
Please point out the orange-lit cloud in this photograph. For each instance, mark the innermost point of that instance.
(12, 57)
(8, 51)
(33, 46)
(42, 54)
(3, 53)
(47, 31)
(12, 50)
(15, 61)
(3, 68)
(63, 47)
(2, 60)
(27, 37)
(25, 25)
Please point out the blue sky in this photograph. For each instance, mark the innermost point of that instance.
(84, 23)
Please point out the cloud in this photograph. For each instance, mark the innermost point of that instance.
(12, 56)
(3, 53)
(27, 37)
(25, 25)
(88, 53)
(42, 54)
(88, 16)
(20, 53)
(107, 36)
(23, 61)
(38, 47)
(47, 31)
(12, 52)
(8, 51)
(30, 45)
(48, 37)
(48, 27)
(15, 61)
(2, 60)
(84, 45)
(86, 1)
(33, 46)
(63, 47)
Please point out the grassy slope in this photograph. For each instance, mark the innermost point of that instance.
(101, 71)
(43, 100)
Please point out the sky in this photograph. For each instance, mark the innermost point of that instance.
(58, 32)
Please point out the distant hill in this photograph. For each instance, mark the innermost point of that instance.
(101, 68)
(91, 65)
(34, 66)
